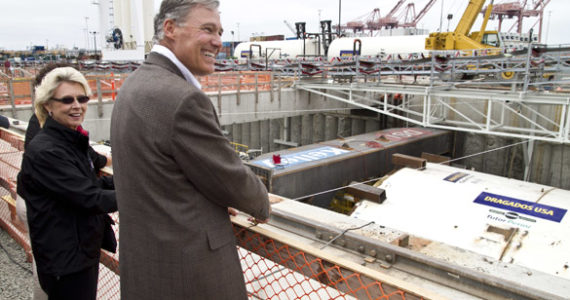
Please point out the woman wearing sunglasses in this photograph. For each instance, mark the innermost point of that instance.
(67, 204)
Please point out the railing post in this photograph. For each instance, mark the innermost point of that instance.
(271, 87)
(99, 99)
(113, 86)
(32, 93)
(567, 130)
(12, 97)
(238, 88)
(527, 68)
(256, 88)
(220, 93)
(432, 69)
(279, 89)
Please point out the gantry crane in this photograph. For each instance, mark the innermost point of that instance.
(374, 21)
(519, 10)
(411, 12)
(390, 21)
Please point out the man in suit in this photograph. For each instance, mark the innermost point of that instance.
(175, 173)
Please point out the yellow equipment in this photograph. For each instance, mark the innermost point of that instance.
(460, 39)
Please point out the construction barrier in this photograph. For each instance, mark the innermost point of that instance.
(272, 269)
(20, 91)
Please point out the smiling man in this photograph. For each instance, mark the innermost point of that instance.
(175, 173)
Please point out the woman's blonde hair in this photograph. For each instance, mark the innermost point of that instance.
(52, 80)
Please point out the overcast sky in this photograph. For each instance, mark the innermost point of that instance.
(63, 22)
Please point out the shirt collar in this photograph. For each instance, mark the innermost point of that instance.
(170, 55)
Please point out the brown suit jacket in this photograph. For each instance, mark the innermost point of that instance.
(175, 176)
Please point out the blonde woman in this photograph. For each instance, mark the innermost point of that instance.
(67, 204)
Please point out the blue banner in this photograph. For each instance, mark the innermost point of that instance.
(520, 206)
(303, 157)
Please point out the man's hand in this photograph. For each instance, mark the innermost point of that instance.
(232, 211)
(259, 221)
(274, 199)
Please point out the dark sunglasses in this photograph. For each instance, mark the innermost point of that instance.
(70, 99)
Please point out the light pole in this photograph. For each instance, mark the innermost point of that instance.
(547, 27)
(87, 33)
(339, 8)
(232, 44)
(94, 33)
(238, 30)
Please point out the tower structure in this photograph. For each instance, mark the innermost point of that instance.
(131, 21)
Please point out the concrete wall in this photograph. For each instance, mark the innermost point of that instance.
(286, 118)
(286, 132)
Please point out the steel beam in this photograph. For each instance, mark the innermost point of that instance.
(432, 110)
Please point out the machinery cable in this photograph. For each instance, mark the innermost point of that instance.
(344, 232)
(378, 178)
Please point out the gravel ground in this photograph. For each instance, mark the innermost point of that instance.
(15, 272)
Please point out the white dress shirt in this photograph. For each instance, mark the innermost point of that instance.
(170, 55)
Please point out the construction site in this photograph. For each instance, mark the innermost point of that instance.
(432, 165)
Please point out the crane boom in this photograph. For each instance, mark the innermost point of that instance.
(469, 16)
(396, 7)
(460, 38)
(478, 37)
(423, 12)
(290, 27)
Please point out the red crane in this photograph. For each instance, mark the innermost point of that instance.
(410, 17)
(390, 21)
(373, 21)
(361, 23)
(520, 10)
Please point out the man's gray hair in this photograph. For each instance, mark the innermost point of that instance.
(177, 10)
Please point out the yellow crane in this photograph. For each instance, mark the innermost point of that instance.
(461, 39)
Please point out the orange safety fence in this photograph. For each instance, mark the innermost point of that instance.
(236, 81)
(272, 269)
(20, 90)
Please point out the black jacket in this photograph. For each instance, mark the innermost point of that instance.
(99, 161)
(67, 204)
(32, 130)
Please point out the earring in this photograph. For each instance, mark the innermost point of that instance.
(50, 114)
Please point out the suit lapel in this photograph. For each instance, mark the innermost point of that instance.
(162, 61)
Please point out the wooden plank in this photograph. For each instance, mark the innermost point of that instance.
(9, 200)
(403, 160)
(434, 158)
(368, 192)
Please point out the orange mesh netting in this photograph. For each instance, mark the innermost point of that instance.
(272, 270)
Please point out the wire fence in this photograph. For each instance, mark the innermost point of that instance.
(272, 269)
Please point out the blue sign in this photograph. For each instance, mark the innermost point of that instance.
(520, 206)
(455, 177)
(348, 53)
(303, 157)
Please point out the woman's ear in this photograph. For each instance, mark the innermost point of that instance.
(47, 108)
